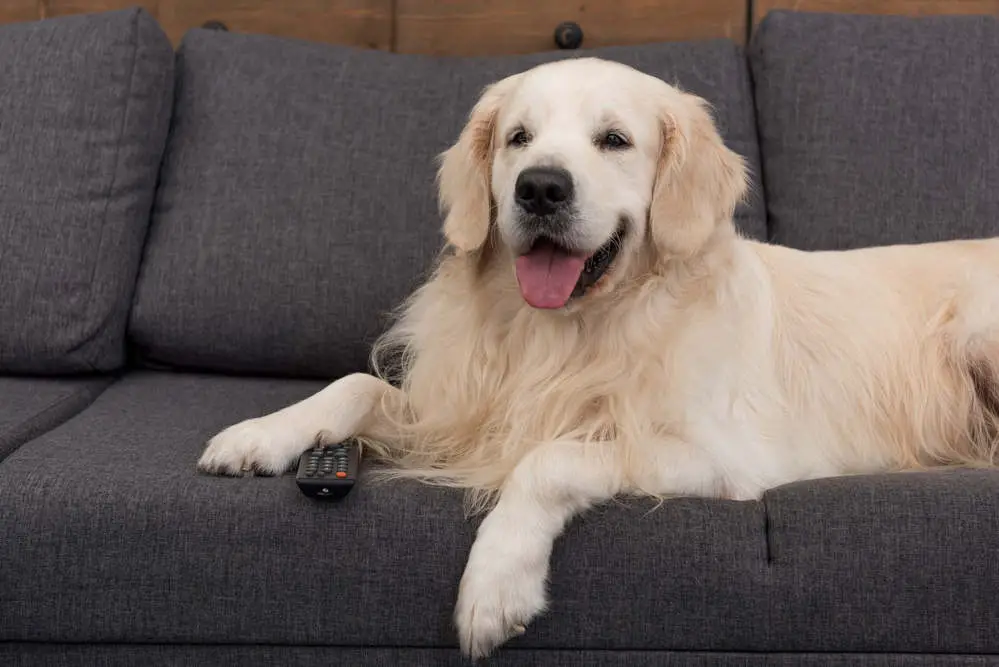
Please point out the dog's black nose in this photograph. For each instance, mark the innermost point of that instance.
(543, 190)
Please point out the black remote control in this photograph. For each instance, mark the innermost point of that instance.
(329, 472)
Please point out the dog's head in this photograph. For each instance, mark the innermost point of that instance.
(580, 166)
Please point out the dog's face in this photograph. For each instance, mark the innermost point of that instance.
(576, 166)
(573, 166)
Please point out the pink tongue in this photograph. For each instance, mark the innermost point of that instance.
(547, 275)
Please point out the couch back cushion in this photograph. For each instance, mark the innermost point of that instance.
(878, 129)
(84, 112)
(297, 206)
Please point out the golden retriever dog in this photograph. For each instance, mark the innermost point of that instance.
(596, 327)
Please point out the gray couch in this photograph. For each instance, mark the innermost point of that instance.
(189, 240)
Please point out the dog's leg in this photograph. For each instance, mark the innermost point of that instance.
(503, 586)
(349, 407)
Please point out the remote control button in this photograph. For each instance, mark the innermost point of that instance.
(341, 474)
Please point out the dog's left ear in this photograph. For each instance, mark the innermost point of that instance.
(699, 183)
(463, 180)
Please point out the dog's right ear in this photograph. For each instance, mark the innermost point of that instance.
(463, 180)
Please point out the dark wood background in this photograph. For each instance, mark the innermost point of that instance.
(479, 27)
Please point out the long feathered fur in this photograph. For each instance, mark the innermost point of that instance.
(781, 364)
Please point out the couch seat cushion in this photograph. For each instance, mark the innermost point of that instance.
(297, 203)
(125, 542)
(878, 129)
(112, 536)
(32, 406)
(84, 113)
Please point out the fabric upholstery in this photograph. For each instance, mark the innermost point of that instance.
(17, 654)
(902, 562)
(85, 106)
(32, 406)
(130, 544)
(297, 203)
(878, 129)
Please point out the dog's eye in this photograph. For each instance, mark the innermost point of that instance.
(519, 138)
(613, 140)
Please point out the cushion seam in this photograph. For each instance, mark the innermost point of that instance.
(26, 429)
(507, 649)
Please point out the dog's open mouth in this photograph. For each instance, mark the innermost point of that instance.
(549, 274)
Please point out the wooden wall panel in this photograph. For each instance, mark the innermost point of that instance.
(479, 27)
(13, 11)
(484, 27)
(50, 8)
(362, 23)
(903, 7)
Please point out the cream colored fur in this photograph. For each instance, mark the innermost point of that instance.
(702, 363)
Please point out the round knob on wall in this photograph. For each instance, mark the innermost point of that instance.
(568, 35)
(215, 25)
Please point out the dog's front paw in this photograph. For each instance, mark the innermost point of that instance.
(260, 445)
(501, 592)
